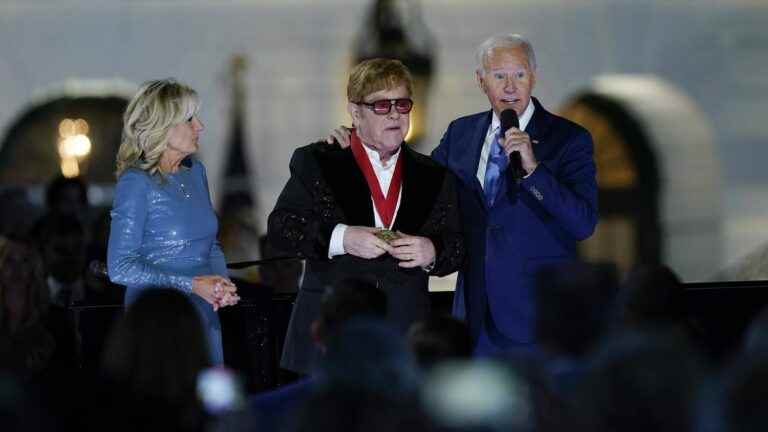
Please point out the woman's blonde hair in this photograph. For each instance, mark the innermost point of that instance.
(153, 111)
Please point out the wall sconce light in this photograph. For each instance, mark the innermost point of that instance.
(74, 145)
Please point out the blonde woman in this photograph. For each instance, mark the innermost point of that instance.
(163, 231)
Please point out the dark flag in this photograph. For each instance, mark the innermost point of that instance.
(239, 232)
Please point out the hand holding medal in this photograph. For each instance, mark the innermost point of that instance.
(413, 251)
(387, 235)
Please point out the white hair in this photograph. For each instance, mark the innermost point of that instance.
(504, 41)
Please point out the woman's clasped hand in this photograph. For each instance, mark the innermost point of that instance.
(217, 290)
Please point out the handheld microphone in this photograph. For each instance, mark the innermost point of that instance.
(509, 119)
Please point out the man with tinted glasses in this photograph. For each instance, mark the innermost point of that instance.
(375, 210)
(513, 226)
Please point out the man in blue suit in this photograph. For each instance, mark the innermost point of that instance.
(513, 227)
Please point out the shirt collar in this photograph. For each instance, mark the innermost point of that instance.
(527, 115)
(373, 155)
(524, 119)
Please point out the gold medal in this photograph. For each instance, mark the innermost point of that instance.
(387, 235)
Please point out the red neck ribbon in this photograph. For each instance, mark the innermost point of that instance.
(384, 206)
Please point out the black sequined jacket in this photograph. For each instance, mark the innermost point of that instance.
(327, 188)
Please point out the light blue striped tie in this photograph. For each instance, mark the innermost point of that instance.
(497, 161)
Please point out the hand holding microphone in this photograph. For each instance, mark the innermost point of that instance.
(517, 145)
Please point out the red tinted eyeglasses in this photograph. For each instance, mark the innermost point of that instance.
(384, 106)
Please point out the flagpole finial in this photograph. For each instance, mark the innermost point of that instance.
(239, 62)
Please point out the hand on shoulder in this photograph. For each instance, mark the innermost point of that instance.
(341, 136)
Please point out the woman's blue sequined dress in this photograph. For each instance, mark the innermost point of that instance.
(163, 233)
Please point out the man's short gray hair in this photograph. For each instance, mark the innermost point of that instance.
(504, 41)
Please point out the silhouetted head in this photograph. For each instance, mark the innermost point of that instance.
(574, 302)
(63, 243)
(652, 296)
(371, 355)
(347, 299)
(641, 381)
(358, 410)
(67, 195)
(439, 338)
(159, 346)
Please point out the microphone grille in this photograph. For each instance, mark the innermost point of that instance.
(509, 119)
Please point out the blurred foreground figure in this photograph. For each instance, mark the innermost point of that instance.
(26, 346)
(438, 339)
(482, 395)
(151, 366)
(347, 301)
(641, 381)
(38, 346)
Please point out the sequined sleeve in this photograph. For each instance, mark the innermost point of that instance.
(125, 264)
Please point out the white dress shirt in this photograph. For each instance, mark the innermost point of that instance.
(384, 172)
(495, 124)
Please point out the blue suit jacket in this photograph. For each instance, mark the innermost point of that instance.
(532, 223)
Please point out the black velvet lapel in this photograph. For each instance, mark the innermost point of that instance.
(348, 185)
(422, 183)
